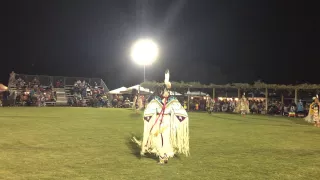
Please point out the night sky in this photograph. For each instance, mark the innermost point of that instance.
(209, 41)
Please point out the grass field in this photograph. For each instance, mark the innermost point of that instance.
(89, 143)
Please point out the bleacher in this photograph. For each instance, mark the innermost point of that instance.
(63, 89)
(61, 97)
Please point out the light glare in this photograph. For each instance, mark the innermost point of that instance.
(144, 52)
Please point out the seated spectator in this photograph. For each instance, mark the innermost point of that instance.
(254, 108)
(292, 108)
(58, 84)
(127, 103)
(224, 107)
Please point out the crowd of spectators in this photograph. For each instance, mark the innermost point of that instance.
(278, 108)
(255, 106)
(219, 105)
(28, 92)
(34, 92)
(83, 94)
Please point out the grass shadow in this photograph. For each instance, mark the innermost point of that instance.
(264, 117)
(267, 117)
(19, 145)
(135, 148)
(23, 116)
(278, 124)
(228, 118)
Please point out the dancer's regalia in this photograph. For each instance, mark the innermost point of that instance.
(140, 103)
(243, 106)
(210, 105)
(166, 125)
(134, 99)
(313, 116)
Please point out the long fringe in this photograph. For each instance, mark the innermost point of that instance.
(179, 136)
(238, 108)
(309, 118)
(135, 140)
(147, 136)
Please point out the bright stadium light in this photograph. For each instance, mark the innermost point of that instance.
(144, 52)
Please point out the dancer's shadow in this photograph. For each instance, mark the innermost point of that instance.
(300, 121)
(135, 148)
(136, 115)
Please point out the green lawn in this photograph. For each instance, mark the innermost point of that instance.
(91, 143)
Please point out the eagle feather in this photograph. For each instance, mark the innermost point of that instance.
(166, 79)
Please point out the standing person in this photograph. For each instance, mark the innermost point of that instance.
(209, 105)
(134, 99)
(185, 106)
(313, 115)
(12, 80)
(243, 106)
(166, 125)
(140, 103)
(197, 105)
(207, 102)
(300, 109)
(309, 117)
(315, 108)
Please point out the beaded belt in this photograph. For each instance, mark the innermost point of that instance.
(164, 114)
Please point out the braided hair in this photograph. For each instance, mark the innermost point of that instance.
(158, 91)
(134, 93)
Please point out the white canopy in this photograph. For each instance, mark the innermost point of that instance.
(174, 93)
(196, 93)
(117, 91)
(142, 90)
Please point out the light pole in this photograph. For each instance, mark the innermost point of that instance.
(144, 73)
(144, 52)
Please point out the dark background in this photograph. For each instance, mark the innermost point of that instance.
(211, 41)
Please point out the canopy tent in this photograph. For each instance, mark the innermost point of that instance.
(143, 91)
(3, 88)
(196, 93)
(118, 91)
(174, 93)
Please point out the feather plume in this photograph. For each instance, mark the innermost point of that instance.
(166, 79)
(166, 76)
